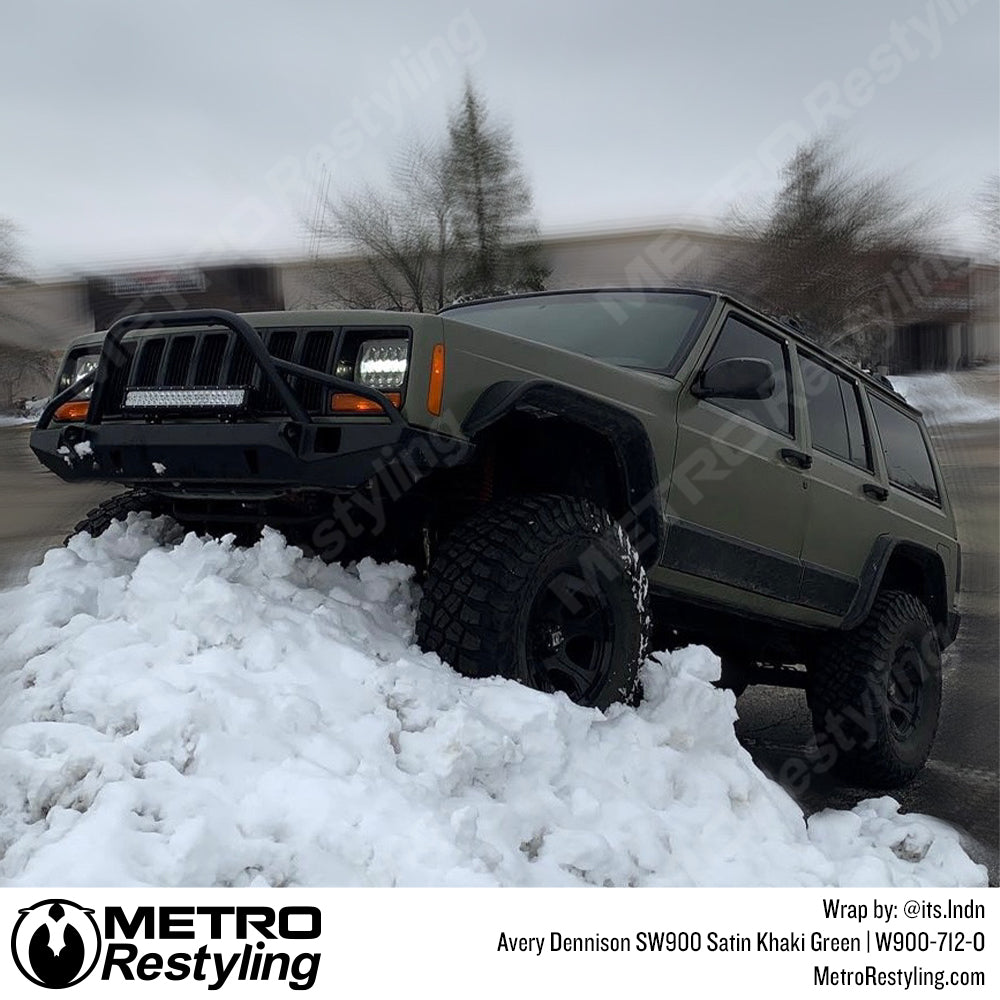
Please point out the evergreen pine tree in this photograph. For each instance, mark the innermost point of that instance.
(493, 225)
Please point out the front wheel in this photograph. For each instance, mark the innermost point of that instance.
(545, 590)
(118, 508)
(875, 693)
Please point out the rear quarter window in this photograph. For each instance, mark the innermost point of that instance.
(905, 450)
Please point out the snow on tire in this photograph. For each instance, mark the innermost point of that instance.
(116, 508)
(545, 590)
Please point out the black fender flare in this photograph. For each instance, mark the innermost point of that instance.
(623, 431)
(873, 572)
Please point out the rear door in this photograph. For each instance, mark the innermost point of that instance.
(847, 494)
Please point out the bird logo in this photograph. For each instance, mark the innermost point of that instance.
(56, 943)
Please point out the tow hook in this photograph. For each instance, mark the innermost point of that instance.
(74, 447)
(71, 435)
(291, 432)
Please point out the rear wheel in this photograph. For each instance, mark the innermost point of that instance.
(545, 590)
(875, 693)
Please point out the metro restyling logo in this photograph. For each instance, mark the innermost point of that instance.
(57, 943)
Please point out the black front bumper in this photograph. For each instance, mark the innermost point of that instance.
(240, 458)
(234, 454)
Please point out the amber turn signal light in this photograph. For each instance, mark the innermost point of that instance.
(76, 410)
(349, 402)
(435, 388)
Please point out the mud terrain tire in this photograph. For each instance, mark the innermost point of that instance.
(875, 693)
(545, 590)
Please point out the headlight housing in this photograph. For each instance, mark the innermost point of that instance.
(78, 366)
(382, 364)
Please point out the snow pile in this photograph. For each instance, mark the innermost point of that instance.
(178, 711)
(33, 408)
(29, 414)
(942, 400)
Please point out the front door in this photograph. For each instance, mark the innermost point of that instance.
(737, 499)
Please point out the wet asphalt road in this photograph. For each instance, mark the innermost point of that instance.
(960, 783)
(38, 509)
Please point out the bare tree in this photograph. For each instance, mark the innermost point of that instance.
(825, 249)
(394, 246)
(988, 210)
(20, 367)
(12, 266)
(455, 223)
(422, 175)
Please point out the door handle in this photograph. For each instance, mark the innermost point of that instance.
(797, 458)
(875, 491)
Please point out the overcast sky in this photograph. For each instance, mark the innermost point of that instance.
(139, 131)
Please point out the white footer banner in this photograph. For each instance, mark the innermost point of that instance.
(485, 943)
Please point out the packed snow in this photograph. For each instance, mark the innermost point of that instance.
(181, 711)
(941, 398)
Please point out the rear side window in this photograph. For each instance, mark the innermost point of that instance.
(740, 340)
(834, 413)
(906, 455)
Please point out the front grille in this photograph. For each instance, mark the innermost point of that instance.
(280, 344)
(209, 358)
(317, 352)
(147, 365)
(177, 361)
(208, 366)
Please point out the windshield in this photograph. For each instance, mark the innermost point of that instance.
(650, 330)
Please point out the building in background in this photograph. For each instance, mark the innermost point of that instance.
(237, 287)
(44, 318)
(943, 309)
(947, 312)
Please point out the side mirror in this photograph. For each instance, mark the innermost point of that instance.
(736, 378)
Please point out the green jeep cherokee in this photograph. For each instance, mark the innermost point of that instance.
(569, 472)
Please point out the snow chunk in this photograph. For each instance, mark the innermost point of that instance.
(180, 711)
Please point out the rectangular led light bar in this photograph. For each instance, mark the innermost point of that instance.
(184, 399)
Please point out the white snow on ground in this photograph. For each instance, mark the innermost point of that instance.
(32, 411)
(942, 400)
(178, 711)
